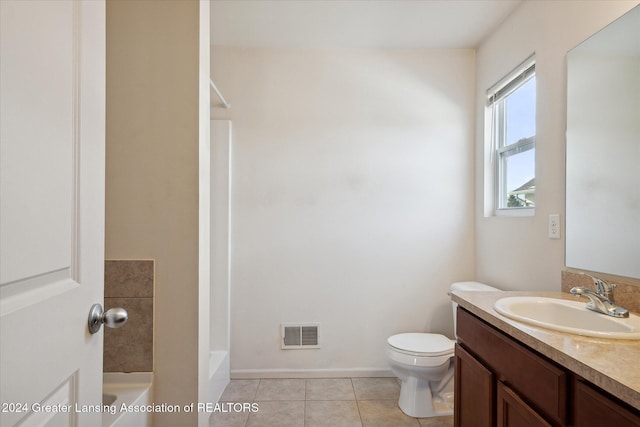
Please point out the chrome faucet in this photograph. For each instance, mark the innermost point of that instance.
(601, 301)
(603, 288)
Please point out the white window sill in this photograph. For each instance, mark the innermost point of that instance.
(515, 212)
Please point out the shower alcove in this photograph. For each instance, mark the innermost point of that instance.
(220, 160)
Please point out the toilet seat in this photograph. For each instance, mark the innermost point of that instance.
(422, 344)
(420, 349)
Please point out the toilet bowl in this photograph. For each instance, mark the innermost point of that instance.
(424, 364)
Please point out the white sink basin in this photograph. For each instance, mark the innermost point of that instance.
(568, 316)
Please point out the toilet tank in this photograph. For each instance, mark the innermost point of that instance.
(469, 287)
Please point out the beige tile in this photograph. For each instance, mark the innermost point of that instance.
(130, 347)
(324, 413)
(280, 389)
(128, 278)
(436, 422)
(240, 391)
(278, 414)
(376, 388)
(384, 413)
(228, 419)
(330, 389)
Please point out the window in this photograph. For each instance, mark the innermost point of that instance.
(512, 105)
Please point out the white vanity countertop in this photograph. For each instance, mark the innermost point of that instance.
(613, 365)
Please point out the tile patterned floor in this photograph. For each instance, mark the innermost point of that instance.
(334, 402)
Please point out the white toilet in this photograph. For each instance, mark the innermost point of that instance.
(424, 364)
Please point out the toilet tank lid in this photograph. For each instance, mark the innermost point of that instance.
(472, 286)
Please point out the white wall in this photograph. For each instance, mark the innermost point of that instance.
(157, 89)
(352, 193)
(515, 253)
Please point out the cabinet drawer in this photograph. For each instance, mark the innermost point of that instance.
(540, 382)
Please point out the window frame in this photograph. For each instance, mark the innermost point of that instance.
(499, 152)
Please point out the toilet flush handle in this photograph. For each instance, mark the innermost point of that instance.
(113, 318)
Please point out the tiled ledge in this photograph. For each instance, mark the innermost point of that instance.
(129, 284)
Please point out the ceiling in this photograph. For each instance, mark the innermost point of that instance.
(436, 24)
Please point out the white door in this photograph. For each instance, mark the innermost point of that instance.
(52, 106)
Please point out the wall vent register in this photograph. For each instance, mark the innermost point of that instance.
(300, 335)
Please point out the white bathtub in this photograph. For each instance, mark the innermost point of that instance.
(131, 389)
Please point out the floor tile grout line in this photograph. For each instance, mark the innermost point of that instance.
(304, 406)
(255, 395)
(353, 388)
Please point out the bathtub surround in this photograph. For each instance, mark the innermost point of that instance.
(352, 171)
(129, 284)
(129, 278)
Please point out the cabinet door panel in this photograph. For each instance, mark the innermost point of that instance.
(595, 409)
(474, 397)
(526, 372)
(514, 412)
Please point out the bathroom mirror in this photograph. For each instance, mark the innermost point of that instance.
(603, 150)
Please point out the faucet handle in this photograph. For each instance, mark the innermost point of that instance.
(603, 287)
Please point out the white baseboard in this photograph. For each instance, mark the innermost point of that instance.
(246, 374)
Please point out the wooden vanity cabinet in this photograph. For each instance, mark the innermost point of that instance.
(523, 382)
(500, 382)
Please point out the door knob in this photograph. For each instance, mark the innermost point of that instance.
(113, 318)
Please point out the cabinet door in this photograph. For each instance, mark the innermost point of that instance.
(542, 382)
(514, 412)
(473, 398)
(595, 409)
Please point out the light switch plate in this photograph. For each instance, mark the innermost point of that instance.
(554, 226)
